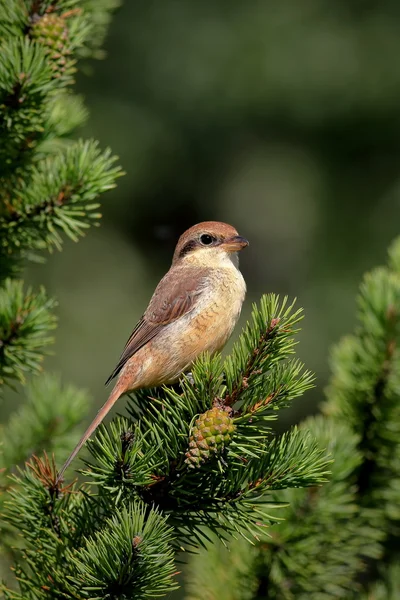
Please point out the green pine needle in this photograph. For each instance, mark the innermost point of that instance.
(25, 325)
(59, 198)
(131, 558)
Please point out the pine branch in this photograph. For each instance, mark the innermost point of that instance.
(267, 341)
(25, 325)
(228, 490)
(25, 84)
(130, 558)
(317, 548)
(365, 387)
(59, 198)
(50, 519)
(48, 419)
(39, 44)
(49, 187)
(13, 18)
(72, 550)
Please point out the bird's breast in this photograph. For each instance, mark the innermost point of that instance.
(211, 323)
(206, 328)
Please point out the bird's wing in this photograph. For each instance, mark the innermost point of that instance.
(175, 296)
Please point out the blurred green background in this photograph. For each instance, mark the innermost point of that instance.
(282, 118)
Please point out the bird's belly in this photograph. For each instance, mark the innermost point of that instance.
(173, 350)
(208, 331)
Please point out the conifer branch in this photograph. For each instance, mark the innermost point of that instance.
(49, 187)
(25, 84)
(223, 491)
(47, 420)
(297, 559)
(59, 198)
(266, 342)
(364, 389)
(25, 326)
(124, 555)
(130, 558)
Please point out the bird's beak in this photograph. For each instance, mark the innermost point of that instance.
(235, 243)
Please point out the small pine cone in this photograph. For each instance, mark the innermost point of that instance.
(211, 434)
(51, 32)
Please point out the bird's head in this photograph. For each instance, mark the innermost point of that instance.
(209, 244)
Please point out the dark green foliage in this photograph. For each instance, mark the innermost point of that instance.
(39, 47)
(25, 84)
(70, 549)
(318, 548)
(130, 558)
(44, 519)
(58, 199)
(25, 326)
(47, 420)
(365, 387)
(325, 540)
(123, 458)
(49, 189)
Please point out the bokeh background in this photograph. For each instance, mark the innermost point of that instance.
(282, 118)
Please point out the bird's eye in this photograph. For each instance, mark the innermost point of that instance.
(206, 239)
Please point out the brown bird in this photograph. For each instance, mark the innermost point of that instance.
(194, 309)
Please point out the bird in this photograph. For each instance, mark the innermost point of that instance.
(193, 310)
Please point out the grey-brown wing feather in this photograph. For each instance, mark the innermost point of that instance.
(175, 296)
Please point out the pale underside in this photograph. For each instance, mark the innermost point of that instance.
(193, 310)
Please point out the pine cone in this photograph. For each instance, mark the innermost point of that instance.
(51, 32)
(211, 434)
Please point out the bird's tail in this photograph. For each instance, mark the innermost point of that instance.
(113, 397)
